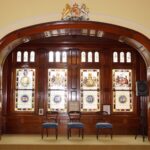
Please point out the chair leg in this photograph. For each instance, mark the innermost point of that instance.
(97, 133)
(82, 133)
(79, 132)
(47, 132)
(56, 133)
(111, 133)
(68, 133)
(42, 130)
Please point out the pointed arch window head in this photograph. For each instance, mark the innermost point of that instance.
(25, 56)
(83, 57)
(115, 57)
(90, 57)
(128, 57)
(51, 56)
(122, 57)
(19, 56)
(32, 56)
(57, 56)
(96, 56)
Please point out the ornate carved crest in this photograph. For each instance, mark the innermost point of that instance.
(75, 12)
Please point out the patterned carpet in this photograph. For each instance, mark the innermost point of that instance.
(34, 142)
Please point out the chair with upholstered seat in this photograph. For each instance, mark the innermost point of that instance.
(103, 124)
(50, 122)
(74, 123)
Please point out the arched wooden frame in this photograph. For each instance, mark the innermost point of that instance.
(101, 30)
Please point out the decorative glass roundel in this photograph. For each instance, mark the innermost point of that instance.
(122, 99)
(90, 99)
(57, 99)
(24, 98)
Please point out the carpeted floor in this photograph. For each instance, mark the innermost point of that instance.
(34, 142)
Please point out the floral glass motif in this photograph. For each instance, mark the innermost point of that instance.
(25, 56)
(128, 57)
(115, 57)
(32, 56)
(57, 56)
(90, 101)
(25, 90)
(122, 101)
(64, 56)
(57, 79)
(83, 57)
(57, 100)
(90, 57)
(122, 79)
(51, 56)
(89, 79)
(122, 57)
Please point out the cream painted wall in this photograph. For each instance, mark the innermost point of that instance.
(15, 14)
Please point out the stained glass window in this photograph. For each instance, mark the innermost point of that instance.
(128, 57)
(18, 56)
(51, 56)
(32, 56)
(90, 57)
(25, 90)
(64, 56)
(122, 90)
(25, 56)
(57, 89)
(122, 57)
(90, 90)
(57, 56)
(115, 57)
(96, 56)
(83, 57)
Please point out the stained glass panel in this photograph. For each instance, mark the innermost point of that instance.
(122, 57)
(128, 57)
(32, 56)
(89, 79)
(18, 56)
(122, 101)
(90, 57)
(51, 56)
(24, 100)
(96, 56)
(64, 57)
(57, 79)
(115, 57)
(90, 101)
(122, 79)
(57, 100)
(25, 78)
(83, 57)
(25, 56)
(57, 56)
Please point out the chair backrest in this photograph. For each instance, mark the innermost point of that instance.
(52, 116)
(102, 115)
(74, 116)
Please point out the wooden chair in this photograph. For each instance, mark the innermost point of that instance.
(103, 124)
(50, 122)
(74, 123)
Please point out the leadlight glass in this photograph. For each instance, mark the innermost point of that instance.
(32, 56)
(83, 57)
(57, 56)
(25, 56)
(64, 57)
(90, 57)
(115, 57)
(96, 56)
(122, 57)
(89, 86)
(57, 90)
(25, 90)
(128, 57)
(122, 90)
(51, 56)
(18, 56)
